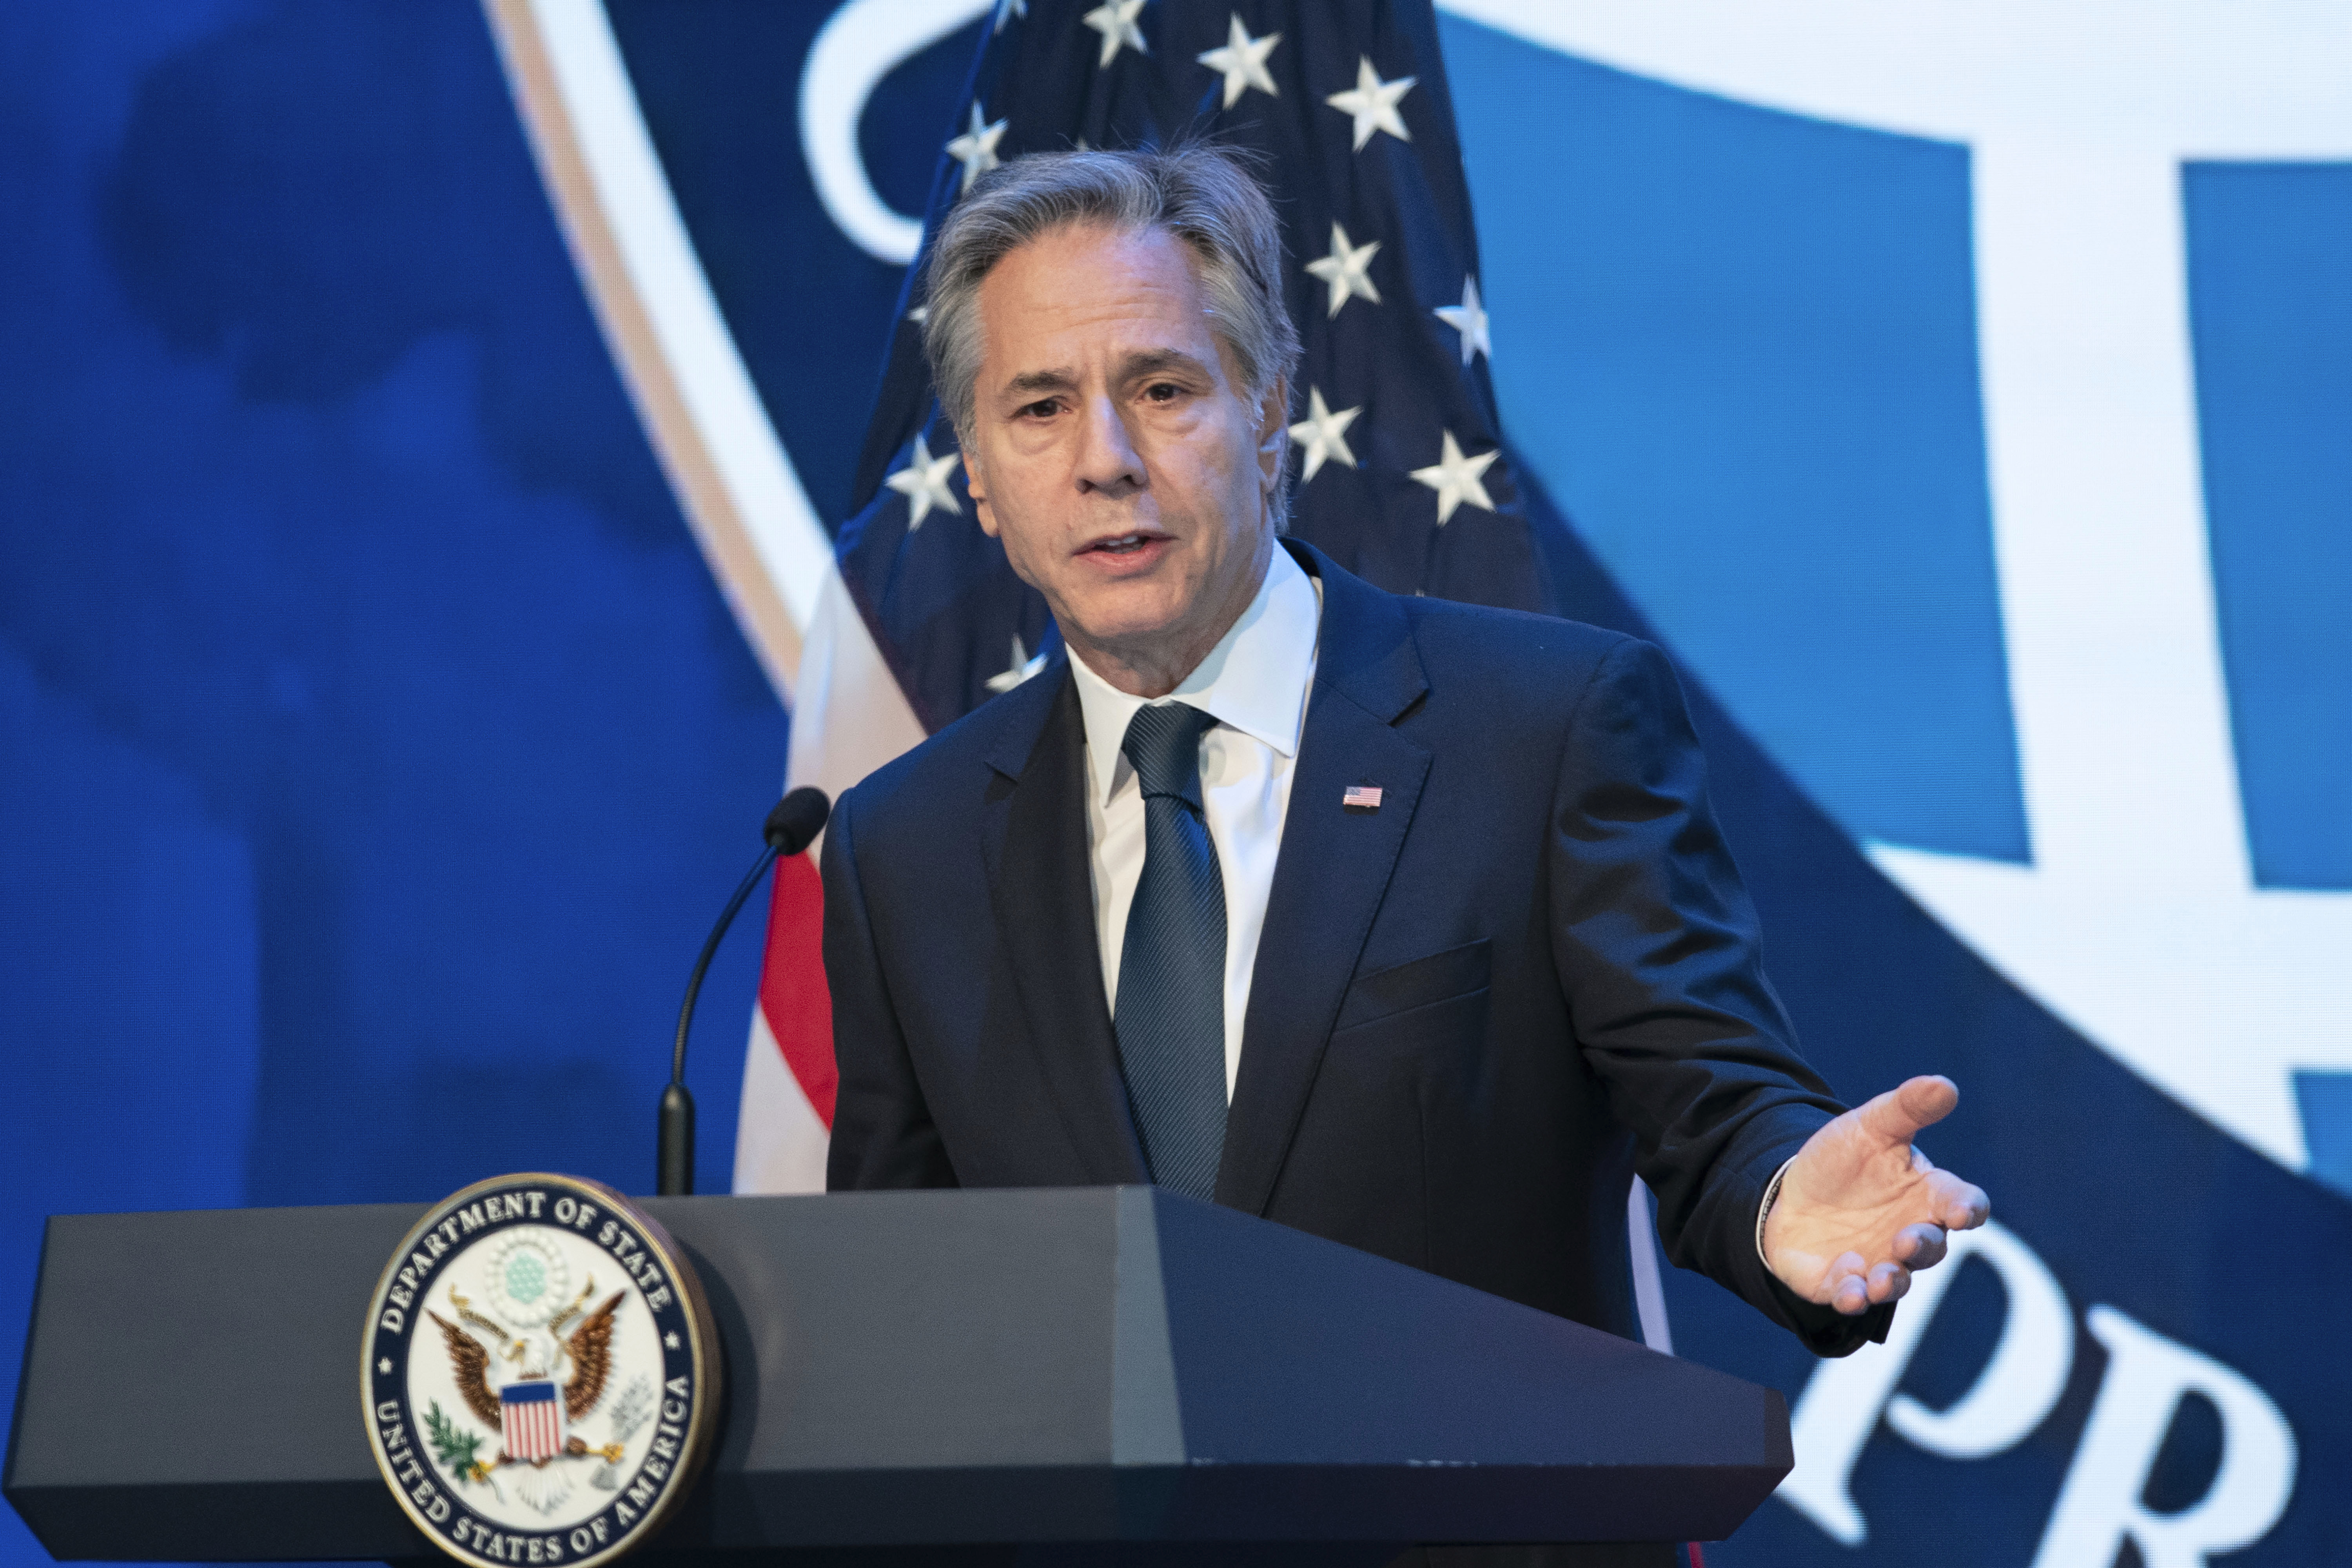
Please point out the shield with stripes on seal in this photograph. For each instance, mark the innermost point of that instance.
(530, 1419)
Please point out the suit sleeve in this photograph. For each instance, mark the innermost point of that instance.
(883, 1135)
(1658, 946)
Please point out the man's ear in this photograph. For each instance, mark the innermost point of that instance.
(978, 490)
(1273, 435)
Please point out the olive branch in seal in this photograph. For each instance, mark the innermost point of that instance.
(458, 1452)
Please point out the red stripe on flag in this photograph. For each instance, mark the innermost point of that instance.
(793, 994)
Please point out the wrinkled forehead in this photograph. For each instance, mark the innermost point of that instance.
(1090, 289)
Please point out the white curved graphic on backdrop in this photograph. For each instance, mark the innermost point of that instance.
(2138, 921)
(856, 49)
(733, 479)
(849, 715)
(732, 475)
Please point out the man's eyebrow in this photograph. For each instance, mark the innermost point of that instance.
(1146, 362)
(1142, 363)
(1030, 381)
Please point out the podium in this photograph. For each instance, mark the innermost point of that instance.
(951, 1377)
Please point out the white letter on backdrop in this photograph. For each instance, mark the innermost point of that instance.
(2147, 1377)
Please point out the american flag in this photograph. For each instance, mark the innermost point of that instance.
(532, 1418)
(1400, 475)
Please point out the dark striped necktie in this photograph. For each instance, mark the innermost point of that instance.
(1171, 1018)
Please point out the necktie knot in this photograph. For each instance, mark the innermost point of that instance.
(1163, 746)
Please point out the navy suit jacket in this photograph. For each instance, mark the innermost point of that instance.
(1476, 1010)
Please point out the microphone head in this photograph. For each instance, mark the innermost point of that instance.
(797, 818)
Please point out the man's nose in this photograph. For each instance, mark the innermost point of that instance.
(1106, 457)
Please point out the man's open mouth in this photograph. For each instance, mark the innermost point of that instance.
(1125, 543)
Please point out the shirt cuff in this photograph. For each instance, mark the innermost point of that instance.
(1771, 1197)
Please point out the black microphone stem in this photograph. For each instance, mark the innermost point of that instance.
(674, 1154)
(792, 825)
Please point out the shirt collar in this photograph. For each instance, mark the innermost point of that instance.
(1255, 679)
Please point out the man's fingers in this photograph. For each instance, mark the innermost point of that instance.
(1855, 1288)
(1919, 1246)
(1899, 1113)
(1957, 1205)
(1849, 1285)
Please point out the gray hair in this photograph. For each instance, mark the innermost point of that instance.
(1200, 193)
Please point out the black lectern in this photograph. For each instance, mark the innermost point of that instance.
(940, 1371)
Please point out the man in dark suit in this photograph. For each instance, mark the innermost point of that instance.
(1403, 922)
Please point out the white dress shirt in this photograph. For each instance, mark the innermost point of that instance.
(1255, 684)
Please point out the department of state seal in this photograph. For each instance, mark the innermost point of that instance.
(540, 1373)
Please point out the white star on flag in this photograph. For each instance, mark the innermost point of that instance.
(1114, 20)
(1009, 8)
(1456, 479)
(1469, 319)
(670, 1339)
(384, 1366)
(1325, 433)
(1373, 102)
(976, 148)
(919, 314)
(1022, 667)
(1242, 61)
(1344, 269)
(924, 483)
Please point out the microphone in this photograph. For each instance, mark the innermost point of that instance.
(796, 819)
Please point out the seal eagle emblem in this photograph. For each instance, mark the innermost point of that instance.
(538, 1374)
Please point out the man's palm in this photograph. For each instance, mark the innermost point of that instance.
(1861, 1209)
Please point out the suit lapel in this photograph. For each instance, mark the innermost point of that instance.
(1331, 874)
(1034, 839)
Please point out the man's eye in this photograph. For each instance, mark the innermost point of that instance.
(1162, 392)
(1038, 410)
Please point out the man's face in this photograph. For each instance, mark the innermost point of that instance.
(1113, 451)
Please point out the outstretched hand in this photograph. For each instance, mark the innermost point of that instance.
(1860, 1208)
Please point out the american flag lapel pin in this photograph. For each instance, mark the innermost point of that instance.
(1361, 797)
